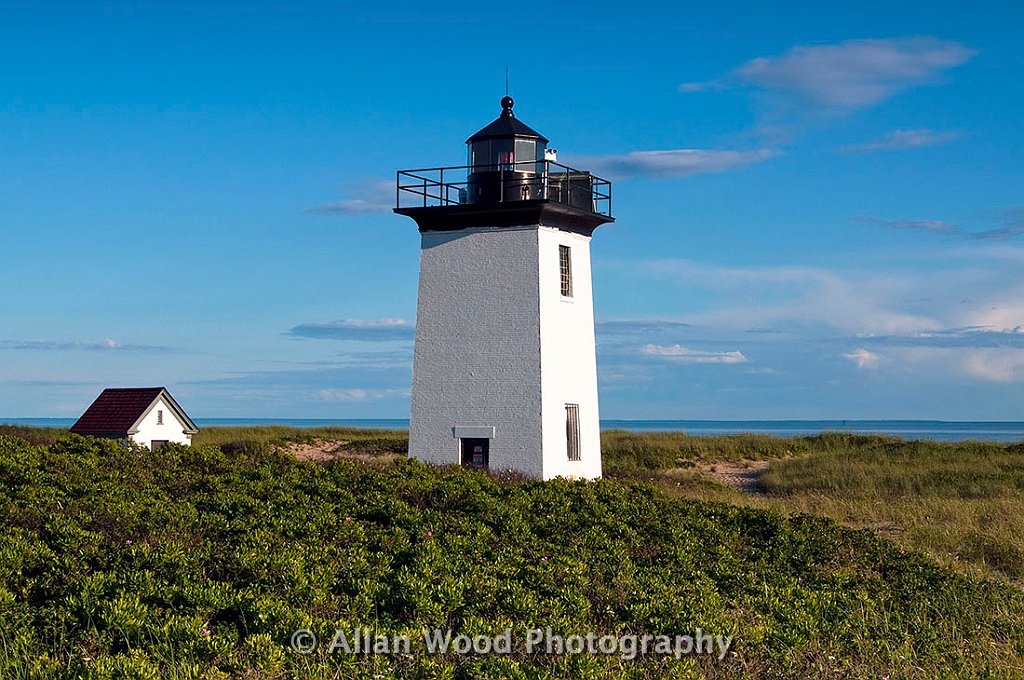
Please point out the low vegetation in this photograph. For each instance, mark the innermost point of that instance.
(202, 562)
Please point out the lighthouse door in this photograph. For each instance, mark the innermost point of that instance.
(475, 452)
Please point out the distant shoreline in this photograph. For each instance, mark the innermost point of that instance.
(937, 430)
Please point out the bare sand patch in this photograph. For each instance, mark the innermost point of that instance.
(742, 475)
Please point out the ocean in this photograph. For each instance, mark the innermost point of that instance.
(908, 429)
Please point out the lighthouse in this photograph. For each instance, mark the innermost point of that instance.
(504, 367)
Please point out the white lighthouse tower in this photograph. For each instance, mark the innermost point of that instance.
(504, 372)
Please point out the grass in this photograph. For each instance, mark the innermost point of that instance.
(199, 563)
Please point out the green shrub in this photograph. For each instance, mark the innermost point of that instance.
(192, 563)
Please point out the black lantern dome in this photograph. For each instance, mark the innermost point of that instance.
(507, 125)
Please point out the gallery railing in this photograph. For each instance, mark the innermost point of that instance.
(503, 183)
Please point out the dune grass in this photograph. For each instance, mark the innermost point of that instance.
(962, 503)
(266, 437)
(625, 450)
(37, 436)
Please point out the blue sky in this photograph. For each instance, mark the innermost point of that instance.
(820, 206)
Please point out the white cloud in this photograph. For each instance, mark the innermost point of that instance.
(865, 359)
(904, 139)
(848, 75)
(673, 162)
(693, 356)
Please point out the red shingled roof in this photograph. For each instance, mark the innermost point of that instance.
(117, 409)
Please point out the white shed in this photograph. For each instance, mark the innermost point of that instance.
(148, 416)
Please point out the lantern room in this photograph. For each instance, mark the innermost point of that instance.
(507, 142)
(511, 178)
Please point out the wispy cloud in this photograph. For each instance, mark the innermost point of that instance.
(996, 365)
(904, 139)
(962, 320)
(975, 336)
(1013, 225)
(313, 392)
(866, 360)
(931, 226)
(932, 332)
(999, 365)
(378, 358)
(785, 297)
(674, 162)
(1002, 311)
(359, 394)
(693, 356)
(1011, 219)
(107, 344)
(845, 76)
(1000, 234)
(373, 330)
(369, 196)
(638, 326)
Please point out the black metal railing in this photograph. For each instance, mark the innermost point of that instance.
(503, 183)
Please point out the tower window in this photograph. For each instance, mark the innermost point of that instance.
(565, 266)
(159, 417)
(572, 430)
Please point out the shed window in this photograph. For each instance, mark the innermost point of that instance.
(572, 431)
(565, 267)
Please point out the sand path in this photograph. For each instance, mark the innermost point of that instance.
(744, 475)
